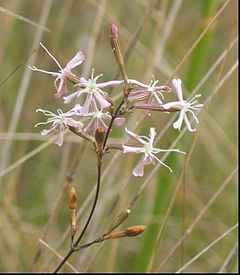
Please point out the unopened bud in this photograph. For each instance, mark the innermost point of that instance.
(100, 137)
(135, 230)
(116, 235)
(114, 31)
(129, 232)
(119, 220)
(72, 198)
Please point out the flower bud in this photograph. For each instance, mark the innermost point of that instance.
(114, 31)
(135, 230)
(119, 220)
(129, 232)
(72, 198)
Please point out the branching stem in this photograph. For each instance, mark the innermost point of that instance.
(75, 244)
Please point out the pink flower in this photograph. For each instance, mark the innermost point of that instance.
(184, 106)
(64, 73)
(60, 122)
(97, 120)
(151, 93)
(146, 148)
(95, 96)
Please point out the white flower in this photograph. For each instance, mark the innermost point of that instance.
(97, 120)
(184, 106)
(95, 96)
(151, 92)
(146, 148)
(60, 122)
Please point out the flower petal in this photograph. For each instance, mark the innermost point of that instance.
(71, 97)
(152, 135)
(109, 84)
(135, 136)
(139, 95)
(177, 124)
(45, 132)
(87, 104)
(62, 88)
(119, 121)
(91, 127)
(190, 129)
(138, 171)
(75, 61)
(102, 102)
(59, 140)
(77, 125)
(132, 149)
(177, 83)
(174, 104)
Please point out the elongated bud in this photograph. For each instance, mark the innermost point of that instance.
(72, 204)
(100, 137)
(114, 31)
(114, 40)
(135, 230)
(119, 220)
(72, 198)
(129, 232)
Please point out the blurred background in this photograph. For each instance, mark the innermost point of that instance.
(193, 40)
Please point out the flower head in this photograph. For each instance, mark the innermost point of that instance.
(60, 122)
(63, 73)
(151, 92)
(146, 148)
(98, 118)
(95, 96)
(183, 106)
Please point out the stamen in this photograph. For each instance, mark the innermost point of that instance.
(161, 162)
(46, 112)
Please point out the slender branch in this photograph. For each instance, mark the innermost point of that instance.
(114, 116)
(74, 246)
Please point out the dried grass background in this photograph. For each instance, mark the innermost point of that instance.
(193, 40)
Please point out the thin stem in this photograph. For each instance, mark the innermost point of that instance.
(72, 249)
(116, 114)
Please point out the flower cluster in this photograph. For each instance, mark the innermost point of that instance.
(95, 108)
